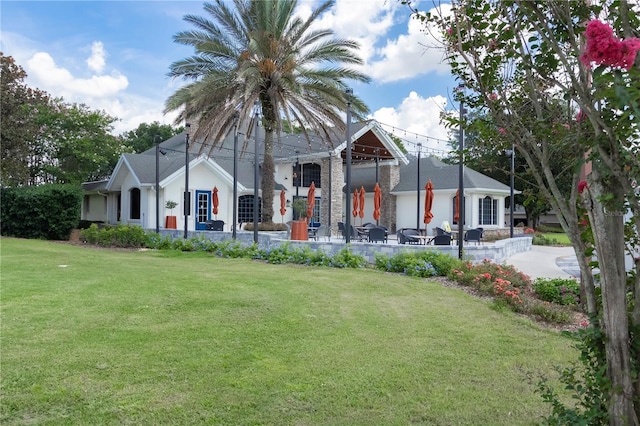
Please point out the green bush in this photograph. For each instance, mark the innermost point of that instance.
(129, 236)
(558, 290)
(424, 264)
(40, 212)
(543, 240)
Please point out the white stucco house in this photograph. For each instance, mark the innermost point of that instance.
(129, 195)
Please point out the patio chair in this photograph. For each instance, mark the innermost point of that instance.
(408, 236)
(441, 240)
(321, 231)
(440, 231)
(341, 229)
(377, 234)
(215, 225)
(473, 235)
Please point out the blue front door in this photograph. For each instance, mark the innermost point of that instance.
(203, 209)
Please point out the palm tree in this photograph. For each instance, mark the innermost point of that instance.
(259, 51)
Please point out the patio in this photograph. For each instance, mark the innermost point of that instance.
(497, 251)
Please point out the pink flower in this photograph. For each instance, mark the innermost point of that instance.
(580, 116)
(449, 31)
(604, 48)
(581, 186)
(493, 96)
(502, 131)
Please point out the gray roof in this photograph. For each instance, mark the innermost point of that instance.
(99, 185)
(443, 176)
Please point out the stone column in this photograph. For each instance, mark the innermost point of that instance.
(334, 166)
(389, 178)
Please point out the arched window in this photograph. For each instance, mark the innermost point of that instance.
(311, 173)
(487, 211)
(134, 203)
(245, 209)
(304, 174)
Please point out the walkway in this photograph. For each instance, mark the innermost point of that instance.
(546, 262)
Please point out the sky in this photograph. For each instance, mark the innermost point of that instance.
(114, 56)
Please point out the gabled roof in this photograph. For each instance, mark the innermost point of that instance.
(444, 176)
(366, 135)
(96, 186)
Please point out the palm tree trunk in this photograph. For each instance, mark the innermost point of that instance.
(268, 183)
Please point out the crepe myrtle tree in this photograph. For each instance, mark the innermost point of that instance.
(249, 50)
(562, 78)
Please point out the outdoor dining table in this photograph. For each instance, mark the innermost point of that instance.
(424, 239)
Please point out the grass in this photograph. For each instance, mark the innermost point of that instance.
(114, 337)
(560, 237)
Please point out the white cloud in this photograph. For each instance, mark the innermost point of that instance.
(60, 82)
(96, 61)
(417, 52)
(417, 120)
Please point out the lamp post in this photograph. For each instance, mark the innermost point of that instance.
(347, 222)
(256, 107)
(187, 204)
(418, 191)
(330, 190)
(512, 155)
(235, 176)
(156, 138)
(460, 200)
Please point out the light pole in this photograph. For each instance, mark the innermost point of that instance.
(330, 190)
(156, 138)
(418, 191)
(187, 204)
(512, 155)
(347, 222)
(460, 200)
(256, 107)
(235, 176)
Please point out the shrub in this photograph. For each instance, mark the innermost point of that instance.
(558, 290)
(266, 226)
(42, 212)
(346, 259)
(116, 236)
(426, 263)
(542, 240)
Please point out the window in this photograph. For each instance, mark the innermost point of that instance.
(134, 204)
(487, 211)
(87, 204)
(311, 173)
(304, 174)
(245, 209)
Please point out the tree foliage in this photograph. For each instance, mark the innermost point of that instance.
(261, 52)
(17, 109)
(46, 140)
(146, 135)
(525, 65)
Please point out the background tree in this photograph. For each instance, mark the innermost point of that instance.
(486, 151)
(46, 140)
(520, 60)
(17, 110)
(144, 136)
(258, 51)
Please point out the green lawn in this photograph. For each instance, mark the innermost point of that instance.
(560, 237)
(95, 336)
